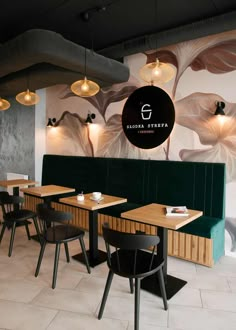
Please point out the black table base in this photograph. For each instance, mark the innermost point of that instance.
(93, 262)
(173, 285)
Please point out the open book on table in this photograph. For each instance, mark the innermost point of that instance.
(177, 211)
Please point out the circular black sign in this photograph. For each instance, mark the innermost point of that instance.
(148, 117)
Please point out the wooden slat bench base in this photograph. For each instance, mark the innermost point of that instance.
(185, 246)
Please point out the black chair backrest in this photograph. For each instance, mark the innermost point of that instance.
(3, 195)
(9, 202)
(129, 257)
(50, 218)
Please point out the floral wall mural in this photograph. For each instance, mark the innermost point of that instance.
(205, 74)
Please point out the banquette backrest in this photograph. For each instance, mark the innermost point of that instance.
(197, 185)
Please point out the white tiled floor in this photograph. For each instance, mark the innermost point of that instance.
(207, 302)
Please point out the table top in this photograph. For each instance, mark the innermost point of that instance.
(92, 205)
(48, 190)
(155, 215)
(17, 183)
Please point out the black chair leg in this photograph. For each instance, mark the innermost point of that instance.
(43, 245)
(2, 231)
(162, 287)
(67, 252)
(37, 230)
(131, 284)
(81, 240)
(13, 230)
(56, 260)
(27, 231)
(137, 303)
(105, 294)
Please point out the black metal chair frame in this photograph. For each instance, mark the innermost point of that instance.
(54, 227)
(14, 215)
(135, 257)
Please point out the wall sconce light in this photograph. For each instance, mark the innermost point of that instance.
(51, 122)
(90, 118)
(219, 108)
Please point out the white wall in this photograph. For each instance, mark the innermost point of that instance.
(40, 133)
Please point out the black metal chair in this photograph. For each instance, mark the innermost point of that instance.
(14, 215)
(54, 228)
(134, 257)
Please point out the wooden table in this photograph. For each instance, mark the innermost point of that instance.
(16, 184)
(155, 215)
(95, 256)
(46, 192)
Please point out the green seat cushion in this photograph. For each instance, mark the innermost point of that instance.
(204, 226)
(116, 210)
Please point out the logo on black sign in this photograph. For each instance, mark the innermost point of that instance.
(148, 117)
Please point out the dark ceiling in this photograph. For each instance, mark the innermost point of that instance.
(116, 28)
(108, 22)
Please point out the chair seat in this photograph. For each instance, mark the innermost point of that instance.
(20, 215)
(126, 258)
(62, 233)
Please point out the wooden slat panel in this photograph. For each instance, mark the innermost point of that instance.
(209, 252)
(182, 246)
(175, 243)
(188, 246)
(185, 246)
(170, 242)
(201, 250)
(194, 248)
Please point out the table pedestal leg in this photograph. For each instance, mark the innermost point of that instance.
(172, 284)
(95, 256)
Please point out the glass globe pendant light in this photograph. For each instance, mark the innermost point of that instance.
(27, 98)
(4, 104)
(85, 87)
(157, 72)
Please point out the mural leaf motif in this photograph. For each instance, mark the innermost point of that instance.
(196, 112)
(72, 136)
(215, 53)
(106, 96)
(113, 143)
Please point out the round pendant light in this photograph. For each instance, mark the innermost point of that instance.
(85, 88)
(4, 104)
(27, 98)
(157, 72)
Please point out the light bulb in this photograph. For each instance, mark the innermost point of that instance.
(156, 71)
(85, 86)
(27, 96)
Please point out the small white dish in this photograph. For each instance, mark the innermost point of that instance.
(80, 198)
(96, 199)
(97, 194)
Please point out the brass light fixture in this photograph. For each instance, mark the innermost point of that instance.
(156, 72)
(4, 104)
(85, 87)
(27, 98)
